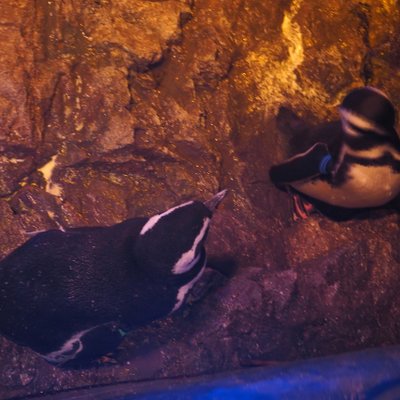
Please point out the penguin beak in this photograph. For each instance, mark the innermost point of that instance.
(213, 203)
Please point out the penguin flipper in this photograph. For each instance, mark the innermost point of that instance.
(84, 348)
(314, 162)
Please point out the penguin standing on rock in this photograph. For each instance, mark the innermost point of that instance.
(353, 163)
(72, 295)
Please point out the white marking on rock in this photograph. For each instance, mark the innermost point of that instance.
(16, 160)
(155, 218)
(292, 33)
(268, 71)
(52, 216)
(187, 260)
(47, 172)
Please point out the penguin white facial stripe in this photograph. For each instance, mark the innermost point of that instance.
(155, 218)
(373, 89)
(189, 266)
(349, 130)
(358, 121)
(187, 261)
(64, 353)
(374, 152)
(182, 292)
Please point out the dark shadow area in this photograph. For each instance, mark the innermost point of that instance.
(225, 265)
(386, 390)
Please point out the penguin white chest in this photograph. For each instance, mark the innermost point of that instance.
(365, 186)
(371, 186)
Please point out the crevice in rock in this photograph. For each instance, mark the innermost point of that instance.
(231, 65)
(138, 156)
(184, 18)
(234, 57)
(134, 75)
(129, 81)
(211, 78)
(48, 108)
(156, 67)
(363, 13)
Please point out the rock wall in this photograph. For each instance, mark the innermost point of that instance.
(111, 109)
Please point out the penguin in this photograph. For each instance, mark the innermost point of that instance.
(354, 162)
(71, 296)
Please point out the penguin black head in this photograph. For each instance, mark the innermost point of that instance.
(172, 243)
(367, 108)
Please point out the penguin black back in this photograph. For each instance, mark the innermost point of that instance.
(67, 281)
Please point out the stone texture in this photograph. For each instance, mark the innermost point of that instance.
(111, 109)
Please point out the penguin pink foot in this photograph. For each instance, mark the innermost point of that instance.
(302, 208)
(107, 359)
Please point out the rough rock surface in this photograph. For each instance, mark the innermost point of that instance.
(119, 108)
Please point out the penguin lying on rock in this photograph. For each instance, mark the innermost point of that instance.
(354, 163)
(71, 296)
